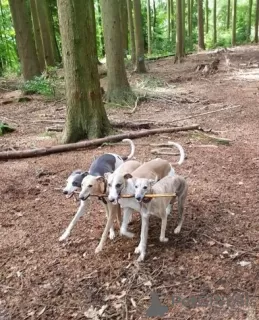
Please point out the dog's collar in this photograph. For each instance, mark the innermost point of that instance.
(104, 192)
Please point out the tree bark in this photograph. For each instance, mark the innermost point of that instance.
(249, 20)
(201, 44)
(139, 38)
(172, 18)
(124, 25)
(234, 17)
(47, 33)
(169, 20)
(207, 16)
(37, 35)
(149, 37)
(179, 31)
(215, 22)
(131, 30)
(85, 114)
(256, 21)
(118, 90)
(154, 14)
(228, 14)
(189, 18)
(183, 27)
(24, 38)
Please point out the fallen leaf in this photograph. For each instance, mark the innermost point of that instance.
(42, 311)
(103, 308)
(133, 302)
(244, 263)
(148, 284)
(211, 243)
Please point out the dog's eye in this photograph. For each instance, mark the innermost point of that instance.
(90, 186)
(109, 185)
(145, 188)
(117, 185)
(136, 187)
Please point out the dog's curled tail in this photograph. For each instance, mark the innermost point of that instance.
(180, 148)
(132, 152)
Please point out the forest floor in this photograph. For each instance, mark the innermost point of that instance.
(209, 271)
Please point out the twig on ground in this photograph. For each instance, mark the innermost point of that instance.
(135, 107)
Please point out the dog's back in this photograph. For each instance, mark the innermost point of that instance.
(154, 169)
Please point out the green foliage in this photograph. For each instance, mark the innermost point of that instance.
(5, 128)
(41, 85)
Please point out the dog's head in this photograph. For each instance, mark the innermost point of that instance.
(143, 186)
(74, 182)
(116, 183)
(92, 185)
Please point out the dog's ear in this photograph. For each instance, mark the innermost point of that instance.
(106, 175)
(152, 182)
(127, 176)
(84, 174)
(100, 179)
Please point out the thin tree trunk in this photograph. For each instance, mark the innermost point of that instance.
(249, 20)
(201, 44)
(256, 21)
(149, 37)
(215, 22)
(24, 38)
(37, 35)
(179, 33)
(234, 15)
(118, 86)
(139, 38)
(124, 25)
(183, 27)
(101, 28)
(154, 14)
(228, 14)
(85, 115)
(172, 17)
(131, 30)
(207, 16)
(169, 19)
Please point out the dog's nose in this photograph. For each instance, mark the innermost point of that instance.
(112, 200)
(65, 191)
(138, 198)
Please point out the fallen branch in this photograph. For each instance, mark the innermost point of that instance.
(160, 152)
(135, 107)
(217, 139)
(88, 143)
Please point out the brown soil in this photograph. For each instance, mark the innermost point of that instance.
(197, 274)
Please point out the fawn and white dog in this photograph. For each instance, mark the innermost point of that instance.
(160, 207)
(103, 164)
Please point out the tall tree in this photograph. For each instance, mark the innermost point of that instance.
(149, 36)
(85, 114)
(100, 28)
(139, 38)
(51, 53)
(179, 32)
(207, 16)
(234, 22)
(24, 38)
(37, 35)
(189, 18)
(228, 13)
(124, 24)
(154, 15)
(169, 19)
(172, 17)
(183, 27)
(256, 21)
(215, 22)
(118, 86)
(201, 44)
(131, 30)
(249, 20)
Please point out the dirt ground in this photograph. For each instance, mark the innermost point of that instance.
(209, 271)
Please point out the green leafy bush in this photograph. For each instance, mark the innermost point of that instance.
(40, 85)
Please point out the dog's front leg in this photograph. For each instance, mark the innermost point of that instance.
(162, 237)
(141, 248)
(80, 212)
(181, 200)
(127, 215)
(107, 212)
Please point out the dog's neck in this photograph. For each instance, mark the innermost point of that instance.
(129, 187)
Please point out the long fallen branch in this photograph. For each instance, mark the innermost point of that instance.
(6, 155)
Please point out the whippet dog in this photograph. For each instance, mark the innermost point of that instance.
(160, 207)
(103, 164)
(120, 184)
(92, 185)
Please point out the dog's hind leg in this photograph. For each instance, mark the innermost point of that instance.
(181, 200)
(107, 212)
(80, 212)
(127, 215)
(162, 237)
(141, 248)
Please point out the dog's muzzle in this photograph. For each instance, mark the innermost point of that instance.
(84, 198)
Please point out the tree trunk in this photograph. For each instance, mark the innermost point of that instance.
(183, 27)
(47, 33)
(215, 22)
(149, 37)
(101, 28)
(228, 14)
(154, 14)
(201, 44)
(168, 20)
(234, 17)
(189, 18)
(172, 17)
(139, 39)
(24, 38)
(124, 25)
(131, 30)
(256, 21)
(249, 20)
(85, 114)
(207, 16)
(37, 35)
(179, 33)
(118, 86)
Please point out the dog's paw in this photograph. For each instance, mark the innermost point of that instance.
(98, 249)
(177, 230)
(112, 234)
(141, 256)
(63, 237)
(137, 250)
(127, 234)
(163, 239)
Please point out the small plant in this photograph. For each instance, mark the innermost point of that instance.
(5, 128)
(41, 85)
